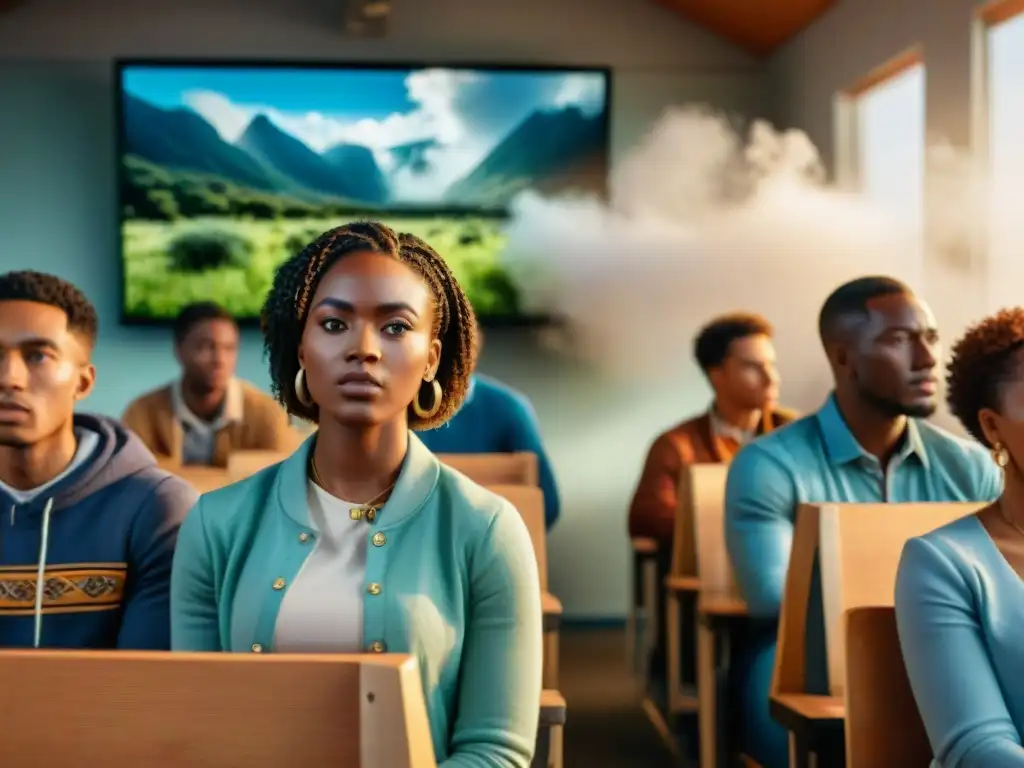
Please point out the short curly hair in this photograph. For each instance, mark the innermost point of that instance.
(44, 288)
(287, 307)
(711, 346)
(982, 361)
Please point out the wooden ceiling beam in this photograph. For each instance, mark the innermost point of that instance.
(759, 26)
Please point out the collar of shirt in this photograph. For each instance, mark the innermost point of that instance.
(843, 448)
(722, 428)
(230, 413)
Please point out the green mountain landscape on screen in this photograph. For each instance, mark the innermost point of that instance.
(176, 164)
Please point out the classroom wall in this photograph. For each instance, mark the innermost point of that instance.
(854, 38)
(57, 197)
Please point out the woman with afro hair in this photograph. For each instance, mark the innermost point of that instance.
(362, 541)
(960, 589)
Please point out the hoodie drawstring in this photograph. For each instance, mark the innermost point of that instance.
(41, 574)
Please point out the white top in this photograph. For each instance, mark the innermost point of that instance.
(322, 611)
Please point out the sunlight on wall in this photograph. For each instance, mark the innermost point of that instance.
(1006, 157)
(891, 146)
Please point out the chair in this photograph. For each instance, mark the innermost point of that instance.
(128, 709)
(642, 610)
(529, 501)
(883, 725)
(495, 468)
(859, 547)
(719, 609)
(701, 492)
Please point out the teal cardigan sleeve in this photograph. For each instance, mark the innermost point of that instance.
(950, 672)
(500, 676)
(194, 621)
(760, 501)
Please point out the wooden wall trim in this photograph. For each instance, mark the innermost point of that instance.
(999, 11)
(887, 71)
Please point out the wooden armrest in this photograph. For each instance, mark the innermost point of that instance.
(552, 708)
(682, 583)
(644, 546)
(812, 718)
(721, 604)
(552, 608)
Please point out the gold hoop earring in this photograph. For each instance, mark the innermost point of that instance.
(301, 391)
(425, 413)
(1000, 455)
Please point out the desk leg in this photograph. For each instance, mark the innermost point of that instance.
(673, 666)
(551, 651)
(650, 593)
(635, 599)
(800, 755)
(707, 695)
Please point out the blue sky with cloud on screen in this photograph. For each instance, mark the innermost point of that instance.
(463, 114)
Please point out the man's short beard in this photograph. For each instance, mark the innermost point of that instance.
(13, 442)
(894, 408)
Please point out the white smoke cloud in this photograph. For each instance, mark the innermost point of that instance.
(701, 222)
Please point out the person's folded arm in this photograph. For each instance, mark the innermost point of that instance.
(956, 688)
(500, 678)
(760, 505)
(194, 617)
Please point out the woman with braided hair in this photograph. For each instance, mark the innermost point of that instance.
(362, 540)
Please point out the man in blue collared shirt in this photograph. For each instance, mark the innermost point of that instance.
(866, 444)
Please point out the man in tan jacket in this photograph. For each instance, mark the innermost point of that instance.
(207, 414)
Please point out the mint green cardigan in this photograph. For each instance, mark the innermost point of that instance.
(460, 592)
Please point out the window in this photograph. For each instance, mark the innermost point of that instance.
(1004, 43)
(880, 146)
(891, 144)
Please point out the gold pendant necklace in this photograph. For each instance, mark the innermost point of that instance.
(1009, 520)
(369, 509)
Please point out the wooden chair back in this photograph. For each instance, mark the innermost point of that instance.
(529, 500)
(129, 709)
(495, 468)
(203, 479)
(698, 483)
(243, 464)
(860, 546)
(706, 502)
(883, 725)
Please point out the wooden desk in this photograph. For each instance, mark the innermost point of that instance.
(552, 609)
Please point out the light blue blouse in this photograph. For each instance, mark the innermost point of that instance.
(960, 614)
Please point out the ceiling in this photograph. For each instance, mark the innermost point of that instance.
(759, 26)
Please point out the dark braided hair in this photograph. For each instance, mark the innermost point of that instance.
(287, 307)
(43, 288)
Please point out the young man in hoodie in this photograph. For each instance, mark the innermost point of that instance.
(88, 523)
